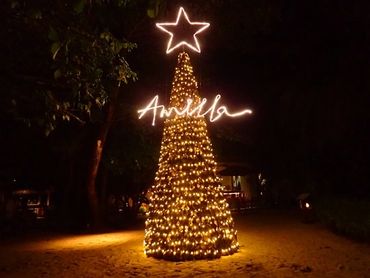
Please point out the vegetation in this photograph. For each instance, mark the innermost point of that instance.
(79, 74)
(345, 216)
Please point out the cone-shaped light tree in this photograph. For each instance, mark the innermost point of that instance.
(188, 215)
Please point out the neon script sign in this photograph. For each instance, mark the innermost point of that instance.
(170, 27)
(215, 111)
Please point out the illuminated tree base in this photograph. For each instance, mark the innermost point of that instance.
(201, 229)
(171, 256)
(222, 247)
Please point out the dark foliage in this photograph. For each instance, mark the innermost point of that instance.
(349, 217)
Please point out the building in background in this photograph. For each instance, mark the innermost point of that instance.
(241, 183)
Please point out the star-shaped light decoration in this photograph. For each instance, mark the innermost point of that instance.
(180, 29)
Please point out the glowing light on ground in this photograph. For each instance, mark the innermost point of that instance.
(83, 242)
(167, 26)
(191, 109)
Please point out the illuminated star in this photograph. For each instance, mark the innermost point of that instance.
(182, 27)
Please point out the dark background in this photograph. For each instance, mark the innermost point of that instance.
(301, 66)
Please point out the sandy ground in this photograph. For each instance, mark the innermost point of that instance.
(273, 244)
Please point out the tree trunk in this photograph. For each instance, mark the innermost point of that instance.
(97, 152)
(68, 189)
(103, 190)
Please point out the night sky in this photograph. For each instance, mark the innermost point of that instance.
(302, 66)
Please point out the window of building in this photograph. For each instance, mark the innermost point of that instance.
(237, 181)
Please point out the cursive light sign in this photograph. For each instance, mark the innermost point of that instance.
(215, 111)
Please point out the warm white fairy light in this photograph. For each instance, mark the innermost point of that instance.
(188, 217)
(215, 112)
(194, 45)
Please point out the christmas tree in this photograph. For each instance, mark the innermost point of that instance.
(188, 216)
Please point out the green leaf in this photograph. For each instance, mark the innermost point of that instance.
(14, 4)
(55, 47)
(153, 9)
(53, 35)
(40, 122)
(36, 14)
(122, 3)
(151, 13)
(57, 74)
(79, 6)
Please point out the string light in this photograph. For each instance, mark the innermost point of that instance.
(167, 26)
(188, 216)
(214, 111)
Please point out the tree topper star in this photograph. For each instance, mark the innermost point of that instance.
(178, 26)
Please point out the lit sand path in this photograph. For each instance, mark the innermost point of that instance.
(272, 245)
